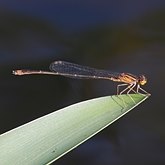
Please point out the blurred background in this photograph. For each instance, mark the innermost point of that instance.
(122, 36)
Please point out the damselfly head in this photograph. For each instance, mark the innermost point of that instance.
(142, 80)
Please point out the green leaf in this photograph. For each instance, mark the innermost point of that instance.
(46, 139)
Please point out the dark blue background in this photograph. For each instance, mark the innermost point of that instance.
(123, 36)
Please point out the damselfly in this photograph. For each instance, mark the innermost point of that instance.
(71, 70)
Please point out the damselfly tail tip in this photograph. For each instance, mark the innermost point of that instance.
(17, 72)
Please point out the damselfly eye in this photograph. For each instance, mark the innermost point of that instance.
(142, 80)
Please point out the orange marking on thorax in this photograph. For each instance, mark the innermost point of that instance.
(125, 78)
